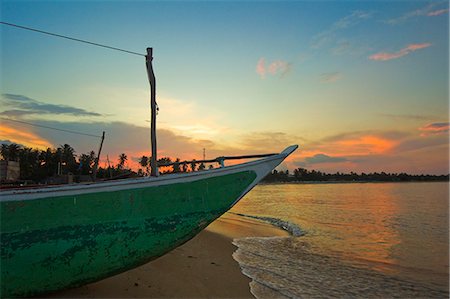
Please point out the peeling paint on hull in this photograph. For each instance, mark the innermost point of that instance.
(70, 240)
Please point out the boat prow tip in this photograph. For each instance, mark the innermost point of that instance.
(289, 150)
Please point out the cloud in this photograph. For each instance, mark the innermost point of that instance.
(367, 144)
(424, 11)
(23, 105)
(406, 116)
(435, 129)
(330, 77)
(346, 151)
(383, 56)
(354, 144)
(437, 12)
(261, 67)
(268, 140)
(322, 158)
(370, 151)
(342, 47)
(8, 142)
(280, 67)
(329, 35)
(20, 136)
(358, 151)
(120, 138)
(134, 141)
(415, 144)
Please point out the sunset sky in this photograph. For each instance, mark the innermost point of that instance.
(360, 85)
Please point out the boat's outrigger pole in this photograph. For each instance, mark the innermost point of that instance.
(151, 79)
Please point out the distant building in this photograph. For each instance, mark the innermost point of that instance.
(9, 170)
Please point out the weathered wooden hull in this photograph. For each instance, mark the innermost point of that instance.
(69, 236)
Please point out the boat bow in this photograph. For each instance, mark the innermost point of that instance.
(59, 237)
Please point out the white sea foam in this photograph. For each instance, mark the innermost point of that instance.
(288, 267)
(292, 228)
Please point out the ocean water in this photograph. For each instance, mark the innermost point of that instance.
(371, 240)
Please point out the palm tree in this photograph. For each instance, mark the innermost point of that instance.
(46, 162)
(10, 152)
(86, 162)
(29, 163)
(144, 163)
(122, 159)
(176, 166)
(68, 157)
(4, 151)
(193, 165)
(164, 161)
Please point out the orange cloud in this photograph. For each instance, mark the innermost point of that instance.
(353, 144)
(366, 145)
(29, 139)
(383, 56)
(435, 129)
(344, 152)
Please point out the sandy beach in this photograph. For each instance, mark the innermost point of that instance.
(201, 268)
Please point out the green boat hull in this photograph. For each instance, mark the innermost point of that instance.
(52, 243)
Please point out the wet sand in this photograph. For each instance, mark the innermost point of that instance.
(201, 268)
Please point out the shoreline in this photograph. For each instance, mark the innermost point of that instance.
(203, 267)
(345, 182)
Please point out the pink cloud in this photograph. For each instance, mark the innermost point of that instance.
(279, 66)
(383, 56)
(275, 67)
(429, 11)
(435, 129)
(437, 12)
(414, 47)
(261, 67)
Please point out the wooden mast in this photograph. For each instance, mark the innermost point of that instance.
(151, 79)
(94, 174)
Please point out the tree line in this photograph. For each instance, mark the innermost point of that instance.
(39, 165)
(173, 166)
(302, 174)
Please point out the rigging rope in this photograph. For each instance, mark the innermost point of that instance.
(46, 127)
(71, 38)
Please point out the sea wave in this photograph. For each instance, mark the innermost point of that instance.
(292, 228)
(288, 267)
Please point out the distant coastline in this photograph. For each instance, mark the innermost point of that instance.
(340, 182)
(304, 176)
(23, 165)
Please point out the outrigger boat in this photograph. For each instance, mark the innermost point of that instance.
(58, 237)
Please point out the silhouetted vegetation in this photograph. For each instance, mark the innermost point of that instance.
(50, 165)
(46, 166)
(304, 175)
